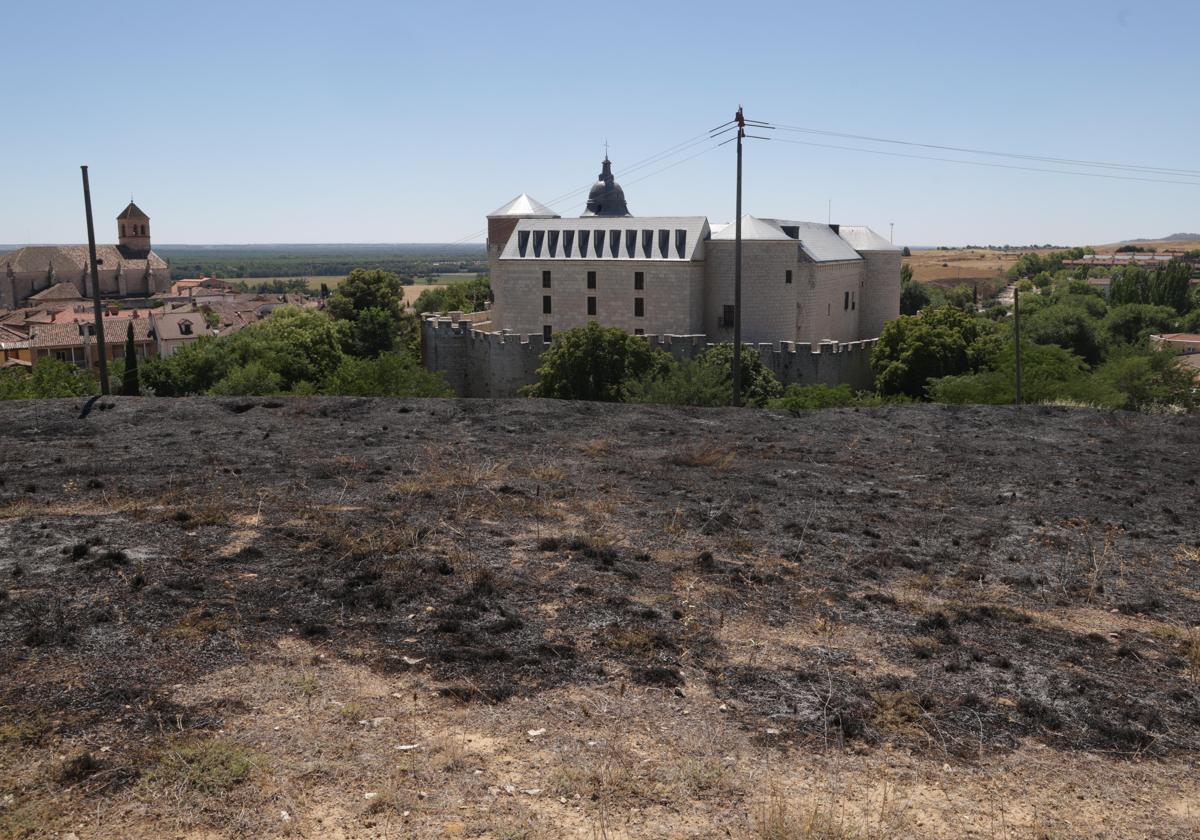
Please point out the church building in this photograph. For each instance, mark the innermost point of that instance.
(128, 269)
(802, 282)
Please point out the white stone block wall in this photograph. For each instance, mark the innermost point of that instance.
(673, 295)
(881, 293)
(768, 301)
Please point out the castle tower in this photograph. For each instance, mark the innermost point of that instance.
(133, 230)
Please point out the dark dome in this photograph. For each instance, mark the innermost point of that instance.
(606, 198)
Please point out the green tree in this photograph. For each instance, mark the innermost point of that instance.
(129, 376)
(916, 296)
(1149, 379)
(386, 375)
(594, 363)
(1068, 325)
(374, 331)
(905, 252)
(914, 349)
(758, 383)
(367, 289)
(962, 296)
(1132, 323)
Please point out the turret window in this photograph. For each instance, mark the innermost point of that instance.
(591, 279)
(639, 280)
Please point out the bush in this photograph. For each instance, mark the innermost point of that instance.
(595, 363)
(253, 379)
(48, 379)
(386, 375)
(690, 383)
(1148, 380)
(1048, 373)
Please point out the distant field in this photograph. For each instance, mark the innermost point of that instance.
(411, 292)
(963, 266)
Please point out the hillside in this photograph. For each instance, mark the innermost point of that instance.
(532, 619)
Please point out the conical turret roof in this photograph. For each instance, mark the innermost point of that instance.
(524, 205)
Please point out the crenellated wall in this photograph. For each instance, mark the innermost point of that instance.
(476, 363)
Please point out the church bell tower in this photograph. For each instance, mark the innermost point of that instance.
(133, 230)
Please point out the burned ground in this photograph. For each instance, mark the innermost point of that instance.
(958, 583)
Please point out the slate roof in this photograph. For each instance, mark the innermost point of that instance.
(653, 238)
(133, 212)
(862, 238)
(524, 205)
(752, 229)
(819, 241)
(74, 258)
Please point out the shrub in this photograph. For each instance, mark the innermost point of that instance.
(595, 363)
(387, 375)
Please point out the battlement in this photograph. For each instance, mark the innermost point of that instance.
(479, 363)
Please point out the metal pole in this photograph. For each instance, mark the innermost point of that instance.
(102, 348)
(737, 270)
(1017, 337)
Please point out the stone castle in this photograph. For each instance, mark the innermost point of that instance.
(128, 269)
(807, 288)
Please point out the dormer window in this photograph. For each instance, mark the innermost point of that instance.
(185, 327)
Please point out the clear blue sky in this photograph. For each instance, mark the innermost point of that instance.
(408, 122)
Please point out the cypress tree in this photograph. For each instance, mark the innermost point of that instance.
(129, 384)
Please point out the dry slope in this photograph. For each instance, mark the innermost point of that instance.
(353, 617)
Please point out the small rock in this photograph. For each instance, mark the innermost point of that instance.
(534, 733)
(379, 721)
(722, 708)
(772, 731)
(408, 660)
(285, 816)
(407, 747)
(510, 790)
(370, 795)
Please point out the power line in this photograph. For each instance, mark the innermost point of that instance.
(1188, 173)
(990, 165)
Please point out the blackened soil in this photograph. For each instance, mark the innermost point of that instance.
(1024, 574)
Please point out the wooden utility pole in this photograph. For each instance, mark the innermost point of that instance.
(738, 123)
(737, 268)
(1017, 337)
(101, 347)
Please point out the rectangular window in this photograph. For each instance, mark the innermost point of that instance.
(639, 307)
(545, 304)
(591, 306)
(639, 331)
(846, 301)
(787, 277)
(639, 280)
(591, 279)
(853, 300)
(545, 279)
(727, 316)
(546, 331)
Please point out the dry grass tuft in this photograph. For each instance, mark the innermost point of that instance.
(831, 818)
(211, 766)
